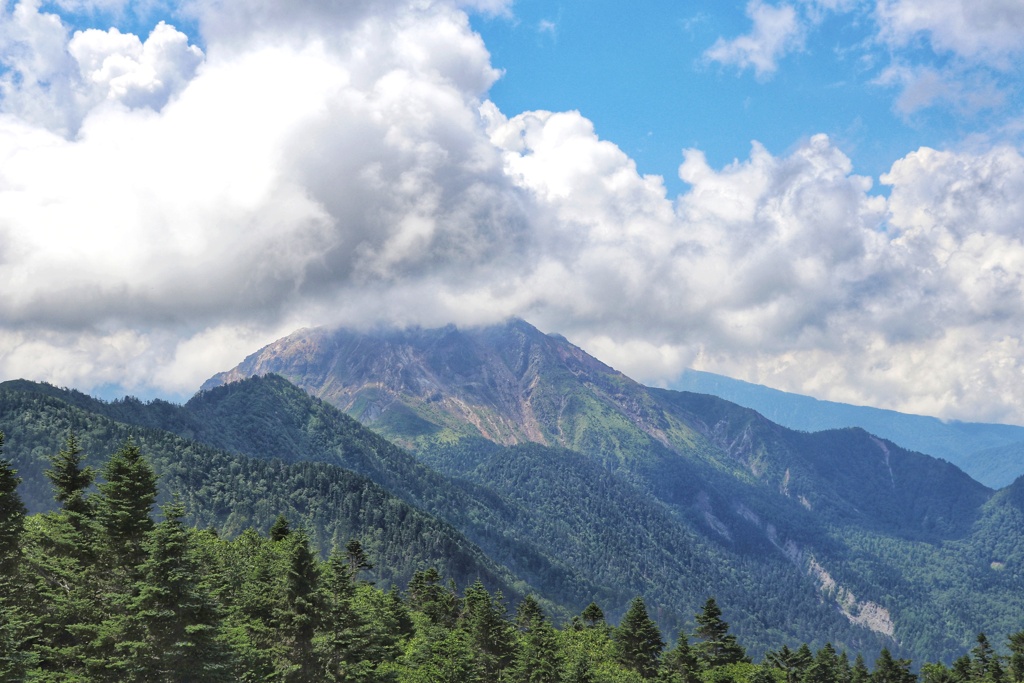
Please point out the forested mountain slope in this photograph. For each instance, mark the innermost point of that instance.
(575, 531)
(231, 492)
(884, 542)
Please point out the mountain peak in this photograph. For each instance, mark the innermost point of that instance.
(489, 381)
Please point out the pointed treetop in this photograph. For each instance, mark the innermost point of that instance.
(716, 647)
(638, 641)
(279, 530)
(69, 477)
(357, 560)
(592, 616)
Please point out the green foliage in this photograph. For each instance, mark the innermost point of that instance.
(231, 492)
(490, 635)
(539, 659)
(174, 631)
(280, 529)
(71, 479)
(701, 511)
(207, 608)
(1016, 646)
(679, 663)
(12, 517)
(638, 640)
(792, 664)
(126, 497)
(716, 646)
(891, 670)
(14, 627)
(592, 616)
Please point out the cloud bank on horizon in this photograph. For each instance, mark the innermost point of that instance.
(181, 183)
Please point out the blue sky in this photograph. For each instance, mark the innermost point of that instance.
(642, 74)
(822, 196)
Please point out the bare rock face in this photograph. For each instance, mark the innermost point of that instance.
(508, 383)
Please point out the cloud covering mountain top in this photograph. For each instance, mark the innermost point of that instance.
(171, 201)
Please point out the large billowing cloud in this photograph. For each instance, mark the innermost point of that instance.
(789, 271)
(165, 209)
(145, 186)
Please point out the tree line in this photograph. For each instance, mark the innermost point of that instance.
(99, 590)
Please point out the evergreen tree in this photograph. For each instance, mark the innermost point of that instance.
(981, 658)
(962, 669)
(579, 672)
(762, 674)
(70, 481)
(174, 624)
(279, 530)
(13, 625)
(15, 661)
(592, 616)
(12, 521)
(539, 658)
(357, 559)
(936, 672)
(299, 620)
(825, 666)
(490, 635)
(256, 580)
(889, 670)
(845, 672)
(717, 647)
(679, 664)
(528, 612)
(67, 604)
(860, 673)
(343, 646)
(126, 498)
(448, 660)
(638, 641)
(1016, 645)
(429, 596)
(793, 664)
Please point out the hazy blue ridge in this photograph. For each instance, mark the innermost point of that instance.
(993, 454)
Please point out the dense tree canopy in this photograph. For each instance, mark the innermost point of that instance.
(100, 589)
(203, 608)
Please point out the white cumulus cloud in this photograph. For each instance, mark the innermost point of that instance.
(776, 31)
(54, 79)
(166, 210)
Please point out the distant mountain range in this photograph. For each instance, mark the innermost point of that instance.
(619, 489)
(509, 455)
(991, 453)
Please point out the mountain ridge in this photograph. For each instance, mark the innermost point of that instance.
(230, 492)
(992, 453)
(853, 517)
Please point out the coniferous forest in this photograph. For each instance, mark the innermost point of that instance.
(102, 589)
